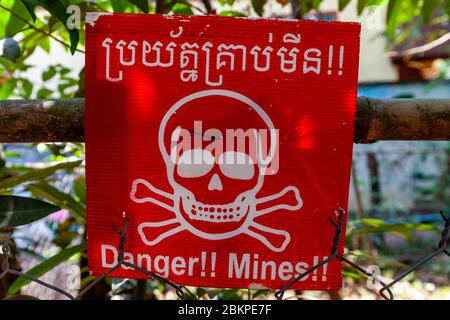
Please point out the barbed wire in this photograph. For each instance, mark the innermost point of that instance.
(120, 262)
(279, 294)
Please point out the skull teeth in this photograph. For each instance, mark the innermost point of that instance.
(215, 213)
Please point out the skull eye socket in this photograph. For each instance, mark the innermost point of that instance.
(236, 165)
(195, 163)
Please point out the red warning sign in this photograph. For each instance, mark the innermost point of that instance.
(227, 142)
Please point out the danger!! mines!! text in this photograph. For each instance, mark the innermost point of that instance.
(243, 266)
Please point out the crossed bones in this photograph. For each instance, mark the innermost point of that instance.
(171, 202)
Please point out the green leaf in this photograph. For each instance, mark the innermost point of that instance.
(79, 187)
(392, 17)
(258, 6)
(74, 39)
(7, 88)
(30, 5)
(44, 93)
(447, 7)
(12, 154)
(59, 198)
(44, 43)
(394, 228)
(343, 4)
(118, 5)
(27, 88)
(37, 174)
(362, 4)
(224, 2)
(231, 13)
(49, 73)
(316, 4)
(372, 221)
(141, 4)
(57, 9)
(351, 274)
(182, 8)
(15, 24)
(45, 266)
(427, 9)
(16, 211)
(260, 292)
(231, 294)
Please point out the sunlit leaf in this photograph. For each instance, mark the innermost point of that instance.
(231, 13)
(226, 2)
(393, 228)
(182, 8)
(7, 88)
(12, 154)
(45, 44)
(37, 174)
(17, 20)
(392, 17)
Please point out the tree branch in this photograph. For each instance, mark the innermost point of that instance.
(376, 119)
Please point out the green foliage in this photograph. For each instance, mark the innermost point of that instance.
(182, 8)
(343, 4)
(428, 7)
(141, 4)
(64, 200)
(45, 266)
(231, 13)
(18, 20)
(258, 6)
(16, 211)
(58, 10)
(404, 230)
(362, 4)
(36, 174)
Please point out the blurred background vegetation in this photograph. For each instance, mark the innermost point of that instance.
(397, 188)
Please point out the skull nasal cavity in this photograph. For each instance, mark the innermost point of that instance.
(215, 183)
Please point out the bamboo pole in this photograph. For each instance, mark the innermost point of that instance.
(376, 120)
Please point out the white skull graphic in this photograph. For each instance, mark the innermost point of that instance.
(215, 191)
